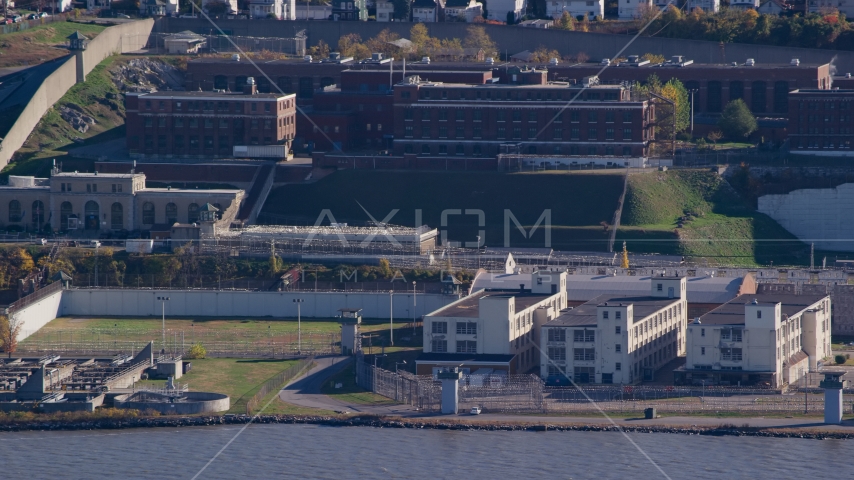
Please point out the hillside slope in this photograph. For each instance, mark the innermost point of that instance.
(694, 213)
(578, 203)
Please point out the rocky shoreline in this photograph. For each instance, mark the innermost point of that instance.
(393, 422)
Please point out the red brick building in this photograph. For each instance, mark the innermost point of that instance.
(821, 122)
(208, 124)
(435, 119)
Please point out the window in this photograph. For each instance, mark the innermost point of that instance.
(15, 214)
(466, 328)
(584, 335)
(702, 332)
(702, 350)
(557, 335)
(609, 117)
(618, 329)
(659, 287)
(460, 115)
(148, 213)
(517, 116)
(618, 316)
(466, 346)
(609, 134)
(576, 133)
(759, 314)
(605, 315)
(532, 116)
(731, 354)
(439, 327)
(618, 366)
(440, 346)
(501, 133)
(557, 354)
(575, 116)
(461, 132)
(116, 216)
(618, 348)
(592, 116)
(592, 134)
(558, 134)
(584, 354)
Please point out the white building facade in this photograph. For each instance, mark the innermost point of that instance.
(629, 9)
(385, 11)
(744, 4)
(765, 339)
(575, 8)
(709, 6)
(463, 9)
(504, 322)
(498, 9)
(617, 339)
(425, 11)
(266, 8)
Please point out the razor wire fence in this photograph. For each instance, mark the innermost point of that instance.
(420, 391)
(217, 343)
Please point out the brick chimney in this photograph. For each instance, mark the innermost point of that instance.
(250, 88)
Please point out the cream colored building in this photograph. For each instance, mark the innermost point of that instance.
(80, 202)
(494, 322)
(618, 339)
(771, 339)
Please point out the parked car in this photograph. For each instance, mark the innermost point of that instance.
(44, 15)
(7, 21)
(40, 241)
(122, 15)
(16, 18)
(32, 16)
(475, 410)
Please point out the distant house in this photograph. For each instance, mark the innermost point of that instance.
(425, 11)
(710, 6)
(524, 56)
(575, 8)
(468, 10)
(745, 4)
(843, 6)
(348, 10)
(774, 7)
(153, 8)
(266, 8)
(634, 8)
(385, 11)
(313, 12)
(498, 9)
(232, 4)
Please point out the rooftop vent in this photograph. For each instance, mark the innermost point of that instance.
(307, 58)
(490, 61)
(236, 57)
(605, 61)
(553, 61)
(795, 62)
(376, 56)
(750, 62)
(425, 59)
(334, 56)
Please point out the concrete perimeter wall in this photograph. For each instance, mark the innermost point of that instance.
(226, 303)
(112, 40)
(821, 215)
(515, 39)
(38, 314)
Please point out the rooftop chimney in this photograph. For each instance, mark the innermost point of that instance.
(250, 88)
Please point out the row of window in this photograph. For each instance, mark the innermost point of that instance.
(171, 212)
(236, 123)
(477, 150)
(828, 143)
(285, 84)
(758, 97)
(207, 141)
(463, 346)
(557, 133)
(516, 115)
(463, 328)
(825, 131)
(211, 106)
(90, 187)
(515, 94)
(832, 105)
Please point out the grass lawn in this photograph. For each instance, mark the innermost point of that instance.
(717, 225)
(239, 378)
(577, 203)
(350, 392)
(41, 43)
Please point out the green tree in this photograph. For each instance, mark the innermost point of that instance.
(736, 120)
(385, 268)
(197, 351)
(217, 8)
(321, 50)
(566, 22)
(401, 9)
(476, 37)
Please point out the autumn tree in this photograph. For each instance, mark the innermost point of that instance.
(10, 328)
(653, 58)
(714, 137)
(543, 55)
(476, 37)
(565, 22)
(671, 119)
(382, 43)
(351, 45)
(321, 50)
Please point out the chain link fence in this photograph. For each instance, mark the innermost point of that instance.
(277, 382)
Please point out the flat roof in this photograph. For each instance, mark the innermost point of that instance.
(187, 190)
(468, 307)
(97, 175)
(585, 315)
(231, 95)
(464, 357)
(732, 312)
(555, 85)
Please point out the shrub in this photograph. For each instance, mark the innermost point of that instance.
(840, 359)
(197, 351)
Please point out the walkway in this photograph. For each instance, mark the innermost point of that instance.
(305, 392)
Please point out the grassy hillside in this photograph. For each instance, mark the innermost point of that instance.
(41, 43)
(578, 203)
(696, 214)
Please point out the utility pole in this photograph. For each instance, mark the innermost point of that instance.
(692, 111)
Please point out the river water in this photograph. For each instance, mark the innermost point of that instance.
(309, 451)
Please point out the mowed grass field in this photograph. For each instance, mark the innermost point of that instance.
(577, 203)
(721, 227)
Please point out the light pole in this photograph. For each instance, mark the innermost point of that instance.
(163, 301)
(692, 109)
(391, 317)
(97, 245)
(414, 305)
(299, 302)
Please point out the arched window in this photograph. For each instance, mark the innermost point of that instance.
(38, 214)
(117, 216)
(148, 213)
(221, 82)
(285, 84)
(171, 213)
(15, 211)
(65, 210)
(91, 213)
(193, 213)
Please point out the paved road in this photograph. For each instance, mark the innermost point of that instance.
(305, 392)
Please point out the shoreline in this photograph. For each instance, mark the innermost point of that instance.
(375, 421)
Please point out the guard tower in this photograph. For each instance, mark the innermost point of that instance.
(833, 385)
(207, 220)
(77, 43)
(450, 378)
(351, 340)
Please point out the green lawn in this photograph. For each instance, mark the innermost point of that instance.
(41, 43)
(577, 203)
(238, 378)
(718, 226)
(350, 392)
